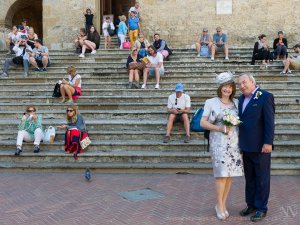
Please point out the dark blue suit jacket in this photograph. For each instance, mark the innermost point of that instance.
(257, 127)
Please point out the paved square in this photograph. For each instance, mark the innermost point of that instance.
(66, 198)
(141, 195)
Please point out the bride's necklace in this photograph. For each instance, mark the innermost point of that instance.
(225, 102)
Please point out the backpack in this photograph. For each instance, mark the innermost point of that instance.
(110, 31)
(195, 125)
(204, 51)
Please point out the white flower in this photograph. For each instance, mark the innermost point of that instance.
(258, 94)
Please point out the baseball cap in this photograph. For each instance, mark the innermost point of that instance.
(179, 88)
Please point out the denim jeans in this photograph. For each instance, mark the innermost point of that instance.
(9, 62)
(281, 50)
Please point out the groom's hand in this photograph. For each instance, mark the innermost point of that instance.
(267, 148)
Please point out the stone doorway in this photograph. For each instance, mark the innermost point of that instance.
(31, 10)
(114, 7)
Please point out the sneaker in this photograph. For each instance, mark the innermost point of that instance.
(198, 55)
(37, 70)
(136, 85)
(25, 75)
(212, 58)
(157, 86)
(289, 72)
(282, 73)
(36, 149)
(143, 86)
(44, 70)
(18, 151)
(93, 52)
(4, 75)
(186, 139)
(81, 56)
(167, 139)
(226, 58)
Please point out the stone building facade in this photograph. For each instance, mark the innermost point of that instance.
(178, 21)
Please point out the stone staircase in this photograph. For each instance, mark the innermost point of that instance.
(127, 126)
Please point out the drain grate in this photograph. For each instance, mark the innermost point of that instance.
(141, 195)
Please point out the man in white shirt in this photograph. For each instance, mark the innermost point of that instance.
(136, 8)
(155, 66)
(179, 105)
(22, 58)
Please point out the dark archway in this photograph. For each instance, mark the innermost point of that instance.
(31, 10)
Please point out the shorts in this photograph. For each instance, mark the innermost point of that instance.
(40, 63)
(295, 64)
(219, 48)
(152, 71)
(77, 93)
(178, 118)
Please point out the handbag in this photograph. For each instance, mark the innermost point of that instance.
(136, 65)
(126, 44)
(110, 31)
(204, 51)
(49, 134)
(56, 91)
(85, 141)
(19, 59)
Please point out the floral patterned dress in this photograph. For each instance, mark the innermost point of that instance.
(224, 148)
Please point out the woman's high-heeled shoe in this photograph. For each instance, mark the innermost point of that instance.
(220, 215)
(226, 213)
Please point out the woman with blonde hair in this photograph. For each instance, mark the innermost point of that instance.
(31, 37)
(74, 129)
(30, 129)
(133, 69)
(122, 31)
(72, 87)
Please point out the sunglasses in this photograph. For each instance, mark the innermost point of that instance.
(176, 101)
(30, 111)
(69, 110)
(218, 31)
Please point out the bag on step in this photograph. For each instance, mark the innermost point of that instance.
(49, 134)
(204, 51)
(126, 44)
(56, 91)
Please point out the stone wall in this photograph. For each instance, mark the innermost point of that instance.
(180, 21)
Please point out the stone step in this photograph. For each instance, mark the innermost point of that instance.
(132, 157)
(178, 133)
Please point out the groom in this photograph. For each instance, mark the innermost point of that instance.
(256, 134)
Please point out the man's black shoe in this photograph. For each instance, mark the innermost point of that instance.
(246, 211)
(258, 216)
(36, 149)
(18, 152)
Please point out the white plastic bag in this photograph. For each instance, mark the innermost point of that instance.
(49, 134)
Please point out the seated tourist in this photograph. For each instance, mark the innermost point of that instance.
(161, 46)
(12, 38)
(179, 105)
(23, 26)
(30, 130)
(154, 66)
(23, 32)
(39, 57)
(21, 58)
(79, 40)
(219, 44)
(107, 24)
(74, 128)
(92, 42)
(204, 42)
(292, 62)
(72, 87)
(133, 69)
(31, 37)
(141, 44)
(280, 46)
(261, 51)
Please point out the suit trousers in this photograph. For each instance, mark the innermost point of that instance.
(257, 168)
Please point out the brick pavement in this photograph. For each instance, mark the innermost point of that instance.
(50, 198)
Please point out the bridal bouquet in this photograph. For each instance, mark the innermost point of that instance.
(230, 119)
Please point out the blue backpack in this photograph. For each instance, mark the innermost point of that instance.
(195, 122)
(195, 126)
